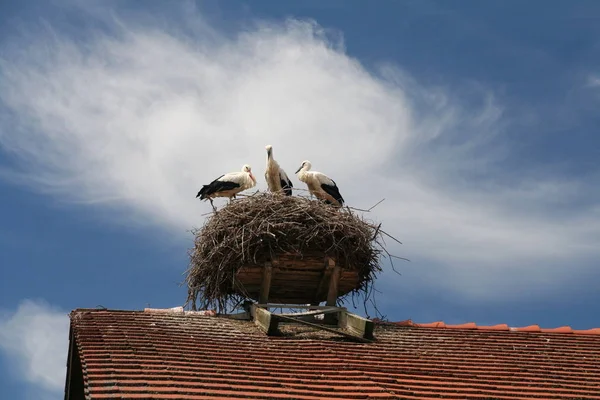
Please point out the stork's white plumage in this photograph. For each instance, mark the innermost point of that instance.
(228, 185)
(277, 179)
(320, 185)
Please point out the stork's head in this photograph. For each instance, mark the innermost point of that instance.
(248, 169)
(306, 165)
(269, 150)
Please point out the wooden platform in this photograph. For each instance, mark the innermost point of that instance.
(293, 279)
(346, 324)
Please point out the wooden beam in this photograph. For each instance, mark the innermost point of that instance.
(311, 307)
(266, 282)
(241, 316)
(327, 270)
(313, 312)
(265, 321)
(357, 325)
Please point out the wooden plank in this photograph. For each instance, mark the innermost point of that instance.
(357, 325)
(298, 280)
(264, 320)
(266, 283)
(293, 280)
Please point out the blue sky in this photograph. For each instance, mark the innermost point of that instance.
(477, 121)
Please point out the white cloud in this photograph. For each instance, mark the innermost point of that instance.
(35, 339)
(594, 81)
(140, 118)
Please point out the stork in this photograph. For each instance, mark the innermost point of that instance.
(277, 179)
(320, 185)
(228, 185)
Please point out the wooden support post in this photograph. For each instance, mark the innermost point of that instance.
(325, 277)
(266, 283)
(332, 294)
(265, 320)
(356, 325)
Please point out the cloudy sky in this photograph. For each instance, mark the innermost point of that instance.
(476, 121)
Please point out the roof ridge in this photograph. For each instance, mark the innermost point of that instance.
(498, 327)
(167, 311)
(179, 310)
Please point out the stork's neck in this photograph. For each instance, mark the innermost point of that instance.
(252, 179)
(302, 174)
(271, 163)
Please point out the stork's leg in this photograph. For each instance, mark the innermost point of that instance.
(213, 206)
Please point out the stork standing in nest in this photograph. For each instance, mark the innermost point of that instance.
(277, 179)
(320, 185)
(228, 185)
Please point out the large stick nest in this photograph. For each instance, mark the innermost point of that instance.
(257, 228)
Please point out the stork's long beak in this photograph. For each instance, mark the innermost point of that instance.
(298, 170)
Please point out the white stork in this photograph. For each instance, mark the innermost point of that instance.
(228, 185)
(277, 179)
(320, 185)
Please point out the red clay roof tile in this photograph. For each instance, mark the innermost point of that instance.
(468, 325)
(174, 354)
(499, 327)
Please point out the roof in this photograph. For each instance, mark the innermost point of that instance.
(186, 355)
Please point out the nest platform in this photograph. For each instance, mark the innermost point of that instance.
(297, 279)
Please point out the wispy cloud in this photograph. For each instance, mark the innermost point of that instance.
(138, 117)
(594, 81)
(34, 339)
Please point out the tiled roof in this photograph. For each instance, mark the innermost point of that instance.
(181, 355)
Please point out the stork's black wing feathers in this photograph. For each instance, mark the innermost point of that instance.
(287, 186)
(333, 191)
(216, 186)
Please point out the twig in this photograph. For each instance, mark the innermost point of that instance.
(390, 236)
(378, 203)
(376, 232)
(356, 209)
